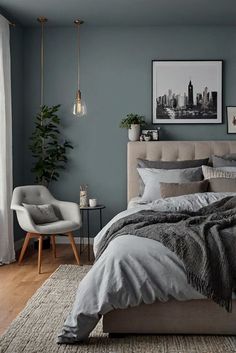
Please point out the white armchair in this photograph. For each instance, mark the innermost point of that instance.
(67, 212)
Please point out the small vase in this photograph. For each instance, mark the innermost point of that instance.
(83, 196)
(134, 132)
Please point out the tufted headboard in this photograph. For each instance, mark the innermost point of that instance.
(170, 151)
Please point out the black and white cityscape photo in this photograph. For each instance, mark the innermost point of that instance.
(187, 92)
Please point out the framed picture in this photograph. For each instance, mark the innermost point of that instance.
(231, 120)
(187, 92)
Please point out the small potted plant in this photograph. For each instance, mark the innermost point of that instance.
(132, 122)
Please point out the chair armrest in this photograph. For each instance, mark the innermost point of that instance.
(69, 210)
(24, 218)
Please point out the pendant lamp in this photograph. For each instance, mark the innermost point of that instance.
(79, 107)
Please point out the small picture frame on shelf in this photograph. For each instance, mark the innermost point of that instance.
(231, 119)
(150, 135)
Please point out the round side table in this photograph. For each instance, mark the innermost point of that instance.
(86, 211)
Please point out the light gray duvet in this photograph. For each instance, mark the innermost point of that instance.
(130, 271)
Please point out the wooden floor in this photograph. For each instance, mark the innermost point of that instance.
(18, 283)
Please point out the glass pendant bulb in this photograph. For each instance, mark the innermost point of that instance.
(79, 107)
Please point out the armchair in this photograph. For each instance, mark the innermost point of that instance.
(67, 212)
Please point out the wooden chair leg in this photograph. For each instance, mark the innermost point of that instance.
(72, 242)
(53, 240)
(40, 247)
(24, 247)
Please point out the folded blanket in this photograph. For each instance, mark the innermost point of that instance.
(197, 238)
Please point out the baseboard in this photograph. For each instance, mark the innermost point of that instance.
(60, 239)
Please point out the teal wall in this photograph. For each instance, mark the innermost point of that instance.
(115, 80)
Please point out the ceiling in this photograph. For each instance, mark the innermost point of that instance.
(123, 12)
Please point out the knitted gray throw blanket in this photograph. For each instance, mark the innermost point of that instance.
(197, 238)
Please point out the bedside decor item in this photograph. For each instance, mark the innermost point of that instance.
(83, 196)
(231, 120)
(92, 202)
(154, 134)
(186, 92)
(147, 137)
(79, 107)
(132, 122)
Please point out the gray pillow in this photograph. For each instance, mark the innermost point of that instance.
(222, 185)
(41, 214)
(231, 156)
(153, 177)
(224, 161)
(177, 189)
(144, 163)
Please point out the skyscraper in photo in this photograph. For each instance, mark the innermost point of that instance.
(214, 100)
(190, 94)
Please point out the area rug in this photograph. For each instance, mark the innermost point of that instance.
(35, 328)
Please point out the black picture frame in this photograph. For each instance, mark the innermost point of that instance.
(213, 110)
(229, 115)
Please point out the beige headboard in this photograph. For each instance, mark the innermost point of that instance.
(170, 151)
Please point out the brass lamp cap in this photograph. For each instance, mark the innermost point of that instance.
(78, 22)
(42, 19)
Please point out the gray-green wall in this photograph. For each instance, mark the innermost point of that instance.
(115, 80)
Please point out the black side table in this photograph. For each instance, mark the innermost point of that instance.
(87, 210)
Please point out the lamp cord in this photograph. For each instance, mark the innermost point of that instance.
(42, 66)
(78, 32)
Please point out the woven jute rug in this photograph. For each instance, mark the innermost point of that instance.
(35, 328)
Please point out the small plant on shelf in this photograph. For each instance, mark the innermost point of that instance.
(132, 119)
(132, 122)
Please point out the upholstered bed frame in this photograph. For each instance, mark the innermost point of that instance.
(172, 317)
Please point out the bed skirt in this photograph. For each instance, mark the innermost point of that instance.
(172, 317)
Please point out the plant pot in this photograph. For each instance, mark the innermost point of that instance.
(134, 132)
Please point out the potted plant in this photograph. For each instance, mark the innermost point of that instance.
(48, 147)
(132, 122)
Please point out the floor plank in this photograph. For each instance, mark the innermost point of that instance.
(19, 282)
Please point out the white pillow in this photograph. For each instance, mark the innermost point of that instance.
(41, 214)
(152, 178)
(222, 172)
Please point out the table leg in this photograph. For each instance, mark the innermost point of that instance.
(81, 234)
(88, 235)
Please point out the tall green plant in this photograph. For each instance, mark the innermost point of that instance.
(48, 150)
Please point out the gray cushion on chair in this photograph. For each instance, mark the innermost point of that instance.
(41, 214)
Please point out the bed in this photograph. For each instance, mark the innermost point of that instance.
(125, 275)
(188, 317)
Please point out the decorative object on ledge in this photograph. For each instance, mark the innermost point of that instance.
(187, 92)
(83, 196)
(79, 107)
(132, 122)
(47, 145)
(231, 120)
(150, 135)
